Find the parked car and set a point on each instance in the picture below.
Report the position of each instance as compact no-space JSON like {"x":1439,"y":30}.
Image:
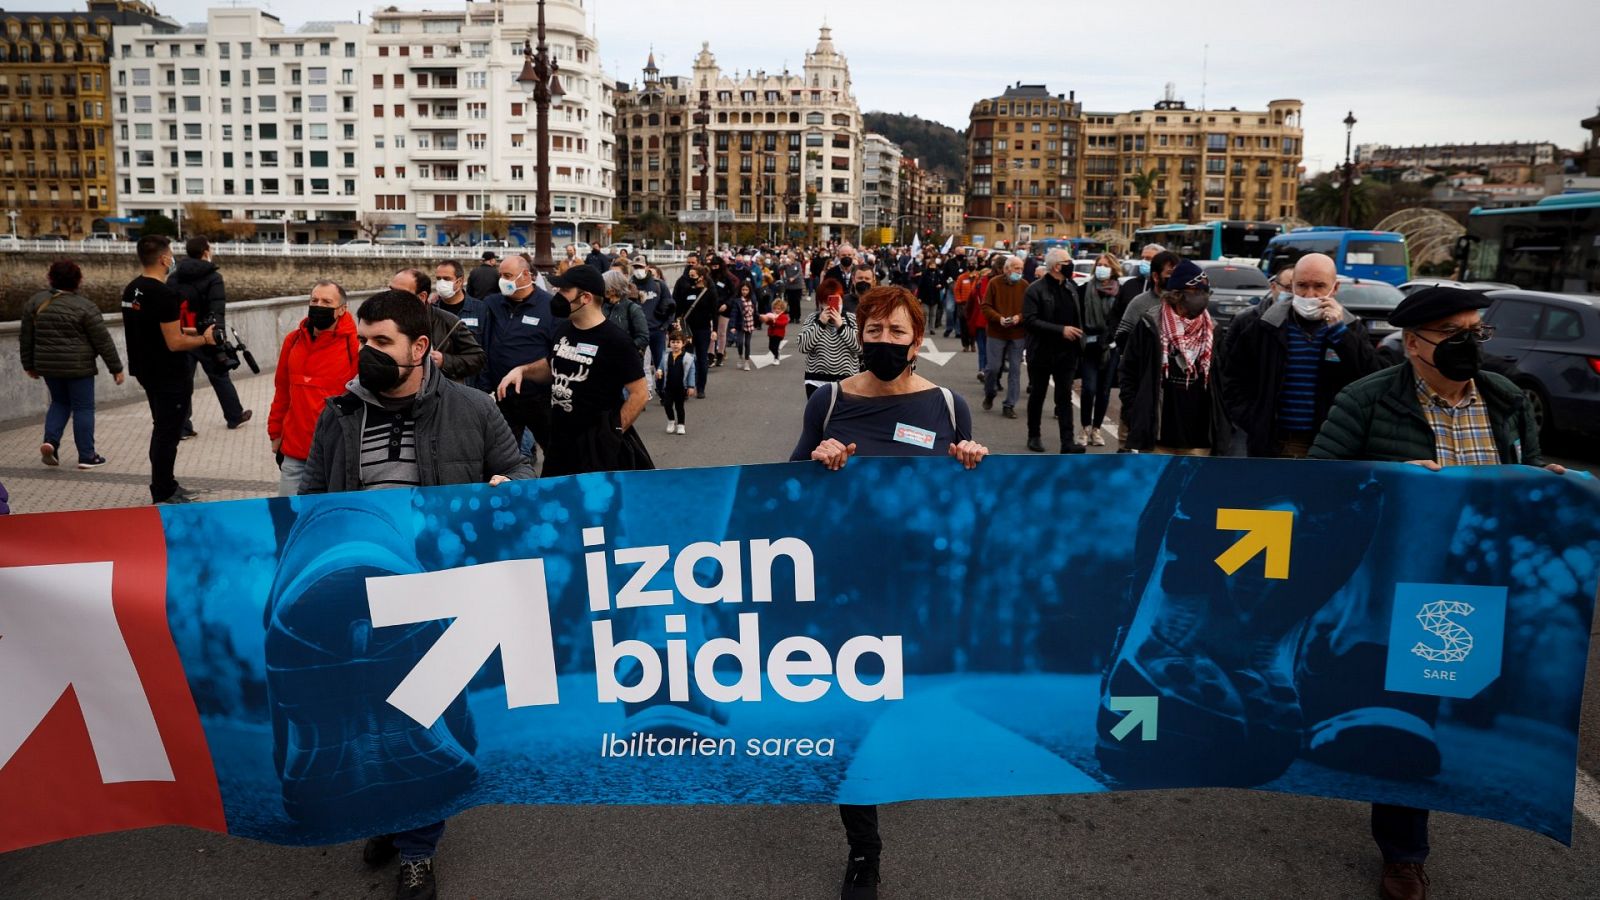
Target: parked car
{"x":103,"y":236}
{"x":58,"y":238}
{"x":1553,"y":342}
{"x":1411,"y":287}
{"x":1234,"y":289}
{"x":1371,"y":302}
{"x":622,"y":247}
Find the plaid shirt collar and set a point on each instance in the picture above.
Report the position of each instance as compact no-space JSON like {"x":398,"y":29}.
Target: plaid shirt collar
{"x":1462,"y":433}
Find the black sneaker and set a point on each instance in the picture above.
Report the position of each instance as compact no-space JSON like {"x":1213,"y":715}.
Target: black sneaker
{"x":860,"y":879}
{"x":1036,"y":444}
{"x":415,"y":881}
{"x":243,"y":418}
{"x":988,"y":403}
{"x":1009,"y":412}
{"x":188,"y":433}
{"x":379,"y":850}
{"x":93,"y":462}
{"x":47,"y":454}
{"x":1074,"y":448}
{"x":180,"y":496}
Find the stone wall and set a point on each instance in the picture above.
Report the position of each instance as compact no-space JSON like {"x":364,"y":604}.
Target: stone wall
{"x":246,"y":277}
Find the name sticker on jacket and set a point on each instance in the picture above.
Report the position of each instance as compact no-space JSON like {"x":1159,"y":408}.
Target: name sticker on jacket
{"x":916,"y":437}
{"x":530,"y":320}
{"x":1331,"y":356}
{"x":472,"y":322}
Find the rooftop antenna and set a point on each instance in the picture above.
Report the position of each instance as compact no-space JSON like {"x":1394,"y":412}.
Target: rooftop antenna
{"x":1205,"y":65}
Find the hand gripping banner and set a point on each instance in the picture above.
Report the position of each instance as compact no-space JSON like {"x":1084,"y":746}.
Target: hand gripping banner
{"x":318,"y":669}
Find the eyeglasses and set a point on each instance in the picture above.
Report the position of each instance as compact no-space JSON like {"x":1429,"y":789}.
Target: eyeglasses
{"x":1477,"y":334}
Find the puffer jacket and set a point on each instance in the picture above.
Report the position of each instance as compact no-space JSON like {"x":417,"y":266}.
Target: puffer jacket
{"x":62,"y":333}
{"x":1380,"y":418}
{"x":310,"y":370}
{"x":461,"y":438}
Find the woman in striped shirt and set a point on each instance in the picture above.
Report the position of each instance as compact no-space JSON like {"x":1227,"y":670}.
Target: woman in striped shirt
{"x":828,"y":339}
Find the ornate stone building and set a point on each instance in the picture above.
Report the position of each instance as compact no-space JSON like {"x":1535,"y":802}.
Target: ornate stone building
{"x":55,"y":116}
{"x":1022,"y":165}
{"x":777,"y":152}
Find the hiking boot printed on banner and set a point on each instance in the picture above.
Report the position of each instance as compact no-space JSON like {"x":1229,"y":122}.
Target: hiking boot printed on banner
{"x":1212,"y":654}
{"x":341,"y":751}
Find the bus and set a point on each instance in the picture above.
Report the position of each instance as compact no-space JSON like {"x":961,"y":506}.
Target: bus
{"x":1368,"y":255}
{"x":1078,"y":248}
{"x":1553,"y":245}
{"x":1210,"y":240}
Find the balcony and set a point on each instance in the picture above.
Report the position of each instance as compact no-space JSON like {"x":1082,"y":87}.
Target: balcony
{"x":439,"y":91}
{"x":440,"y":151}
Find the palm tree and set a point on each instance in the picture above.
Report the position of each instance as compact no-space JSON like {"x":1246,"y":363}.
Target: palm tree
{"x":1143,"y":184}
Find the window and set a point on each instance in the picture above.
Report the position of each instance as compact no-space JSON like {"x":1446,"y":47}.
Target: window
{"x":143,"y":131}
{"x":194,"y":185}
{"x":319,"y":159}
{"x":141,"y":104}
{"x":269,"y":132}
{"x":1560,"y":324}
{"x":477,"y":80}
{"x":192,"y":131}
{"x":191,"y":104}
{"x":377,"y":111}
{"x":193,"y":158}
{"x":317,"y":75}
{"x":1515,"y":321}
{"x":317,"y":103}
{"x":318,"y":131}
{"x":267,"y":103}
{"x":191,"y":77}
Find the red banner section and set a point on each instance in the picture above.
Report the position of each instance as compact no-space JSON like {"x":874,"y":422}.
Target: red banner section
{"x":98,"y":730}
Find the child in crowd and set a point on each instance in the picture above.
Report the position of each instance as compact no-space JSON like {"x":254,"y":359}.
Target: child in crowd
{"x":675,"y":382}
{"x":745,"y":324}
{"x":777,"y":326}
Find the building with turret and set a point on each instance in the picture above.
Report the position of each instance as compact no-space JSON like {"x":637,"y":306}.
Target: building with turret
{"x":776,"y":152}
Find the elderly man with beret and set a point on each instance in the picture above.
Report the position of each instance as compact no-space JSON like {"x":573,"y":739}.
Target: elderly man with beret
{"x":1437,"y":409}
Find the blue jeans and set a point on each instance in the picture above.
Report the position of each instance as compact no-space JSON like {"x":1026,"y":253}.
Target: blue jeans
{"x":981,"y":338}
{"x":999,"y":351}
{"x":949,"y":303}
{"x":658,"y":351}
{"x":71,"y":398}
{"x":419,"y":843}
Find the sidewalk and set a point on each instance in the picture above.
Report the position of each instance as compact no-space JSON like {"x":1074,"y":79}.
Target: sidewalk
{"x":227,"y":465}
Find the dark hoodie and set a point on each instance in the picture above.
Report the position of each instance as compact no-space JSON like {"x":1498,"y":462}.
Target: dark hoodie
{"x":198,"y":283}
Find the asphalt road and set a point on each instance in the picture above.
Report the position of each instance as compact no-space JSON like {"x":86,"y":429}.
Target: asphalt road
{"x":1169,"y":844}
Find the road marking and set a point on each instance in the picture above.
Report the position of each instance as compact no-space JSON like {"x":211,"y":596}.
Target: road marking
{"x":1586,"y":799}
{"x":764,"y":359}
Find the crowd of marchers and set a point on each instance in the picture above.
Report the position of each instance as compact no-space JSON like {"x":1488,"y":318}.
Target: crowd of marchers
{"x":454,"y":375}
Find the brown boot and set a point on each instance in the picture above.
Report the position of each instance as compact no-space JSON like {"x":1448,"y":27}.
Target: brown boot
{"x":1403,"y":881}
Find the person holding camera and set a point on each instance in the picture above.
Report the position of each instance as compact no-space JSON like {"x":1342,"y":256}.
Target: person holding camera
{"x":158,"y":358}
{"x":198,"y":284}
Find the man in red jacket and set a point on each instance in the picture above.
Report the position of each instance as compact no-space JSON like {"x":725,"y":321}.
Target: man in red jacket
{"x":317,"y":360}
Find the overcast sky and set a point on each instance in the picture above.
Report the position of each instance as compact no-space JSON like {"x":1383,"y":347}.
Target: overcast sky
{"x":1413,"y":72}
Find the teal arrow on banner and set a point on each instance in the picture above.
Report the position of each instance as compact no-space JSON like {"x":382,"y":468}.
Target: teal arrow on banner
{"x":1141,"y":711}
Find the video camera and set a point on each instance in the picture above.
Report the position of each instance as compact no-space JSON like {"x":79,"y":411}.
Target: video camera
{"x":226,"y":353}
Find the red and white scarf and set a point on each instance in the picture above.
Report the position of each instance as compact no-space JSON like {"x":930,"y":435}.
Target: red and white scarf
{"x":1192,"y":338}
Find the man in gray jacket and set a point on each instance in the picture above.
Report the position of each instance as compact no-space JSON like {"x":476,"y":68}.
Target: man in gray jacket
{"x":401,"y":423}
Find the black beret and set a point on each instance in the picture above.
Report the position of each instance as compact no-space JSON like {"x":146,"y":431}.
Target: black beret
{"x":1434,"y":303}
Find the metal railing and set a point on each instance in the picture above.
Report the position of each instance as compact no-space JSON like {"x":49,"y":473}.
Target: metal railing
{"x":222,"y":249}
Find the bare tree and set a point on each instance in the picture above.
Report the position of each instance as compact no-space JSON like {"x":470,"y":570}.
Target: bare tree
{"x":373,"y":224}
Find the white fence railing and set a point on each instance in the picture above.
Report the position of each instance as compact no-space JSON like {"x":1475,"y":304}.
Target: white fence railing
{"x":370,"y":251}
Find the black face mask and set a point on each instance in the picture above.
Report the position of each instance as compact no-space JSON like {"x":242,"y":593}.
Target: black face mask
{"x":1457,"y":360}
{"x":560,"y":306}
{"x":377,"y":371}
{"x":862,"y":287}
{"x":884,"y":360}
{"x":1192,"y":305}
{"x":320,"y":317}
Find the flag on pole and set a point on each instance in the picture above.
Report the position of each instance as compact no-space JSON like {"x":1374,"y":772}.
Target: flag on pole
{"x":948,"y":243}
{"x":916,"y":245}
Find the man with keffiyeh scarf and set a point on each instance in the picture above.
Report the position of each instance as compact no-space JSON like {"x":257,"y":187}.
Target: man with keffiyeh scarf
{"x":1172,"y":373}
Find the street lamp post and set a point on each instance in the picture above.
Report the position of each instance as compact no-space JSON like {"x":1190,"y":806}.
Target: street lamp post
{"x":12,"y":215}
{"x":702,"y":117}
{"x":539,"y":79}
{"x":1347,"y":173}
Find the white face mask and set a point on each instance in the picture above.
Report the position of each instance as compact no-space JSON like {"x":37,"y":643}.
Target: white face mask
{"x":508,"y":286}
{"x":1101,"y":273}
{"x":445,"y":288}
{"x":1308,"y":307}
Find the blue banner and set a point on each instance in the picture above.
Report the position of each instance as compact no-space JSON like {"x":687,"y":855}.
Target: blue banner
{"x":903,"y":629}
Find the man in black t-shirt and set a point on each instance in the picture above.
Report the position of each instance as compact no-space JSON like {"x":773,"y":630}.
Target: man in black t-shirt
{"x":591,"y":365}
{"x":157,"y":357}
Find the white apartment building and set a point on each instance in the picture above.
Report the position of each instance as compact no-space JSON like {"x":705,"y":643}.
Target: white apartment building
{"x":450,"y":133}
{"x":880,"y":179}
{"x":260,"y":123}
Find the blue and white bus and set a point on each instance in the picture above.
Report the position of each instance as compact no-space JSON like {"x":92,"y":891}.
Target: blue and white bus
{"x":1210,"y":240}
{"x":1553,"y":245}
{"x":1367,"y":255}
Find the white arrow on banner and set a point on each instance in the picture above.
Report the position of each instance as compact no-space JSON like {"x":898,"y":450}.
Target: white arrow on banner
{"x":500,"y":604}
{"x":58,"y":629}
{"x":933,"y":354}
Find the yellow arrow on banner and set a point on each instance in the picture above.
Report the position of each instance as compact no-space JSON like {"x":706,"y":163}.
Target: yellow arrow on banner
{"x":1268,"y":531}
